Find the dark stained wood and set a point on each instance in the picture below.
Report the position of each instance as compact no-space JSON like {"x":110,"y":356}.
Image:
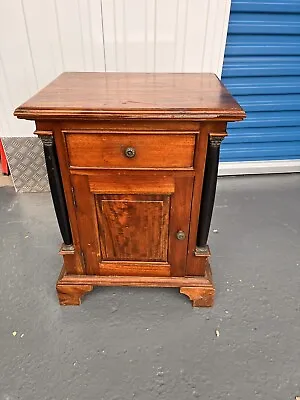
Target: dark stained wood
{"x":132,"y":95}
{"x":108,"y":150}
{"x":196,"y":265}
{"x":56,"y":186}
{"x":134,"y":221}
{"x":209,"y":187}
{"x":133,"y":227}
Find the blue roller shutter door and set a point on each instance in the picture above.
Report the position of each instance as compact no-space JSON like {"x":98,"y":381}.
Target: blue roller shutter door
{"x":262,"y":70}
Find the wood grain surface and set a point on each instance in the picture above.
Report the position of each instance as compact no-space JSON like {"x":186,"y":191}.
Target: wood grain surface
{"x":133,"y":227}
{"x":135,"y":268}
{"x":132,"y":95}
{"x":108,"y":150}
{"x":134,"y":221}
{"x":130,"y":182}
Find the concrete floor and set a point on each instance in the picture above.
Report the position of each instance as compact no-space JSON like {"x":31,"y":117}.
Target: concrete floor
{"x":143,"y":343}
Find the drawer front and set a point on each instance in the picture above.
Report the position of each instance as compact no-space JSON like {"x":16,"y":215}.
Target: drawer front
{"x":110,"y":150}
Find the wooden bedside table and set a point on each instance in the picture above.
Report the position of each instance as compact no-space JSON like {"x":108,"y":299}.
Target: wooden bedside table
{"x":132,"y":161}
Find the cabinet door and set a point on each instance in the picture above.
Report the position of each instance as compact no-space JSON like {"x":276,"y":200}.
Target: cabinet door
{"x":133,"y":227}
{"x":129,"y":222}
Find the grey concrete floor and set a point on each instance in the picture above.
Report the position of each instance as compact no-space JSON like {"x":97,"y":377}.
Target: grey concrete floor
{"x":143,"y":343}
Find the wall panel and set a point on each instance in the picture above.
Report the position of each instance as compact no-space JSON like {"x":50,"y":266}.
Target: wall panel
{"x":41,"y":39}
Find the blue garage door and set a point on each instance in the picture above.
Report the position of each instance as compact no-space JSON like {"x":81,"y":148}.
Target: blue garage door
{"x":262,"y":70}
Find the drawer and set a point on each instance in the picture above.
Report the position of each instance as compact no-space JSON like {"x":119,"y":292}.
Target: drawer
{"x":143,"y":150}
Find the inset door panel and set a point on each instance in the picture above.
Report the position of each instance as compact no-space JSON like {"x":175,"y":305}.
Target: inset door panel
{"x":134,"y":223}
{"x":133,"y":227}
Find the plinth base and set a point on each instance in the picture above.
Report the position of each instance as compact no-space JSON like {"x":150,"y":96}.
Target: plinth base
{"x":199,"y":289}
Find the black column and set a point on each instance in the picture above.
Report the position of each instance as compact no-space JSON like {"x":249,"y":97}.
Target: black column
{"x":209,"y":189}
{"x":56,"y":188}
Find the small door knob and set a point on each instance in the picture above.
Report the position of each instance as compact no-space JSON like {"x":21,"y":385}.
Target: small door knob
{"x":180,"y":235}
{"x":130,"y":152}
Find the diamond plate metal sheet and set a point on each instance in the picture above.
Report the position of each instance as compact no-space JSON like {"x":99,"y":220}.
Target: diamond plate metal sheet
{"x":26,"y":161}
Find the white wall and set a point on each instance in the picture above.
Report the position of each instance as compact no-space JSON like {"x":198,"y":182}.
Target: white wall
{"x":39,"y":39}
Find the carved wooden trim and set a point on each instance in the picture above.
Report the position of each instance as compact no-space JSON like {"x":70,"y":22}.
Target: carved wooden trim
{"x":199,"y":296}
{"x":71,"y":295}
{"x":46,"y":140}
{"x":41,"y":113}
{"x":215,"y":139}
{"x":149,"y":281}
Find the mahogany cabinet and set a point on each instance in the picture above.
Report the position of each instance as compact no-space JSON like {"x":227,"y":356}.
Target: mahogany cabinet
{"x":132,"y":161}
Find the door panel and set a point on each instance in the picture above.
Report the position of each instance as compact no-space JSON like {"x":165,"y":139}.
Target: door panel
{"x":132,"y":231}
{"x":133,"y":227}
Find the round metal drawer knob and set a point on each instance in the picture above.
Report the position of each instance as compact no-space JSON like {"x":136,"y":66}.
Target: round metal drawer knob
{"x":130,"y":152}
{"x":180,"y":235}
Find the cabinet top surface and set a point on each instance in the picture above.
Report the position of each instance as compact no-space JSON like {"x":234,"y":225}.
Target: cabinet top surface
{"x":132,"y":95}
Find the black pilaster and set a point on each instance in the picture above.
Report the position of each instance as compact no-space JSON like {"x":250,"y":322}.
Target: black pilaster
{"x":209,"y":189}
{"x":56,"y":188}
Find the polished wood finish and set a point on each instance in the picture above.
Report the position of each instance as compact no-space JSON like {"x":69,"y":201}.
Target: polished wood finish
{"x":167,"y":192}
{"x":138,"y":157}
{"x":132,"y":268}
{"x":200,"y":290}
{"x":149,"y":281}
{"x":108,"y":182}
{"x":133,"y":227}
{"x":142,"y":126}
{"x":180,"y":221}
{"x":85,"y":209}
{"x":71,"y":295}
{"x":200,"y":297}
{"x":108,"y":150}
{"x":132,"y":95}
